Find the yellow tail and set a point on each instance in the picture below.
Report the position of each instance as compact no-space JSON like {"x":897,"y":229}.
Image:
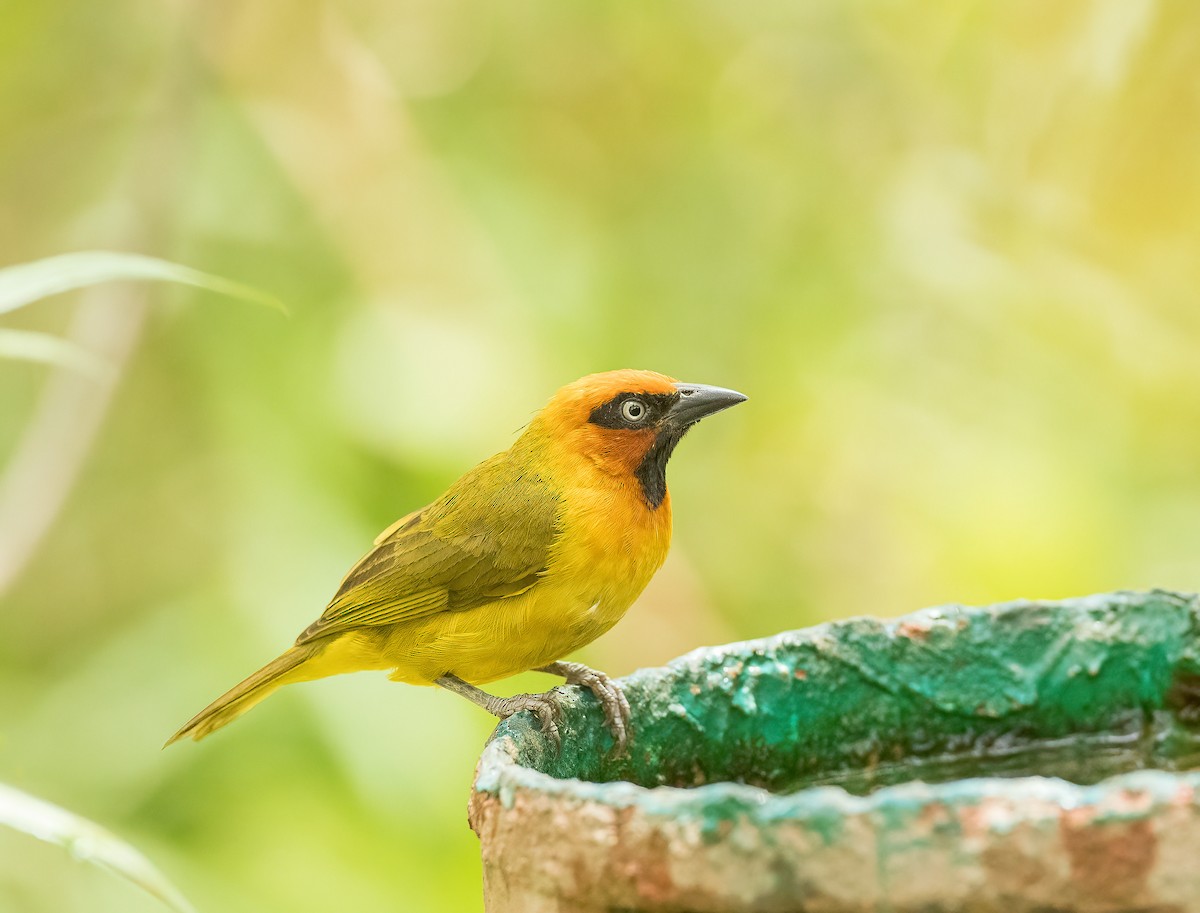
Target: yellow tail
{"x":240,"y":698}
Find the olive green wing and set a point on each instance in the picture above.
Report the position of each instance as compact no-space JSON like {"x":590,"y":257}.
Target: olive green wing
{"x":487,"y":538}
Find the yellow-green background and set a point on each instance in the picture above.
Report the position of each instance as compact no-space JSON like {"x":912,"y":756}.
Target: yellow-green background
{"x":949,"y":250}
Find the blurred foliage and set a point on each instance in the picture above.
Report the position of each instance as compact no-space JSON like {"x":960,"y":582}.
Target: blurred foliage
{"x":948,"y":249}
{"x":26,"y":283}
{"x":88,"y":842}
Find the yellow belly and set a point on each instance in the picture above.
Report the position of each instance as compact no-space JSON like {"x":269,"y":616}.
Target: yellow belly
{"x":496,"y":640}
{"x":591,"y":581}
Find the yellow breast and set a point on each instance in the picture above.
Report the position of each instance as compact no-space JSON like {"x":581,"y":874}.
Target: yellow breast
{"x":610,"y":546}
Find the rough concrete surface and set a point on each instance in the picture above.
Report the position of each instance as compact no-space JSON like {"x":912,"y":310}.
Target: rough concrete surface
{"x":787,"y":774}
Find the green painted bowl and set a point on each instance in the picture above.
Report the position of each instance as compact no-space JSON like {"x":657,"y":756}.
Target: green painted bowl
{"x":1019,"y":757}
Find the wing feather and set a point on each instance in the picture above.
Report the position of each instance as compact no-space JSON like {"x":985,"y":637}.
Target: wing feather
{"x":488,"y":538}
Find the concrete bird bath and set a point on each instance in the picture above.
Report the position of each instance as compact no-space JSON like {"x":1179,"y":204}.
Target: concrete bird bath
{"x":1019,"y":757}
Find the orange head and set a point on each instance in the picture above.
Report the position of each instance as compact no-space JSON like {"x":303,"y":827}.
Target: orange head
{"x":627,"y":422}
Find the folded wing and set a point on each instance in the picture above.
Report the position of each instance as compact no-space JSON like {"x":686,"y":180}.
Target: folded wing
{"x":489,"y":537}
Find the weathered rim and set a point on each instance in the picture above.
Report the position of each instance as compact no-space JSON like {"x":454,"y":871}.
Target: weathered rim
{"x":523,"y":814}
{"x":499,"y":775}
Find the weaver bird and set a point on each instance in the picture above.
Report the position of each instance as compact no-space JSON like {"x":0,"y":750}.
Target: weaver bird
{"x":526,"y":558}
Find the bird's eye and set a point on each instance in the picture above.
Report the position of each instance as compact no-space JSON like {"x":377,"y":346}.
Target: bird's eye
{"x":633,"y":410}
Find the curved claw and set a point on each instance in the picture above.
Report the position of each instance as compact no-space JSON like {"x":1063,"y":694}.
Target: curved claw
{"x":544,"y":706}
{"x":617,"y":713}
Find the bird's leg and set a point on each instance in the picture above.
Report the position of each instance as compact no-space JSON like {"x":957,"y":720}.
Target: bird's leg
{"x":544,"y":706}
{"x":617,"y":714}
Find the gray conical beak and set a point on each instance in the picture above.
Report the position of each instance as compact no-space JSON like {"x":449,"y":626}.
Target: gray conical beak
{"x":699,"y":400}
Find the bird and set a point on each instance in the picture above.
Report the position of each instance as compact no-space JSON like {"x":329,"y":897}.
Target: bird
{"x":529,"y":556}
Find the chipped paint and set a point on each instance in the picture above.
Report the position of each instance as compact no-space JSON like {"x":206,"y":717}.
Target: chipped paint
{"x":810,"y":747}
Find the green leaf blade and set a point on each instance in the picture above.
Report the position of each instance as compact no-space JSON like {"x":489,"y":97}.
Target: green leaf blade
{"x":88,"y":842}
{"x":28,"y":282}
{"x":29,"y":345}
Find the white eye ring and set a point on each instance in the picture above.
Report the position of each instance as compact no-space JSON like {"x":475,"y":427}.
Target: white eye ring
{"x":633,"y":410}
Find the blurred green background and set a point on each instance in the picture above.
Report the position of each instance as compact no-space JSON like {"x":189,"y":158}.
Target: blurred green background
{"x":950,"y":250}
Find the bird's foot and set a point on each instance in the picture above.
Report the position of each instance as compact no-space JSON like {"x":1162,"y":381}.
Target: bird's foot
{"x":544,"y":706}
{"x":617,"y":715}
